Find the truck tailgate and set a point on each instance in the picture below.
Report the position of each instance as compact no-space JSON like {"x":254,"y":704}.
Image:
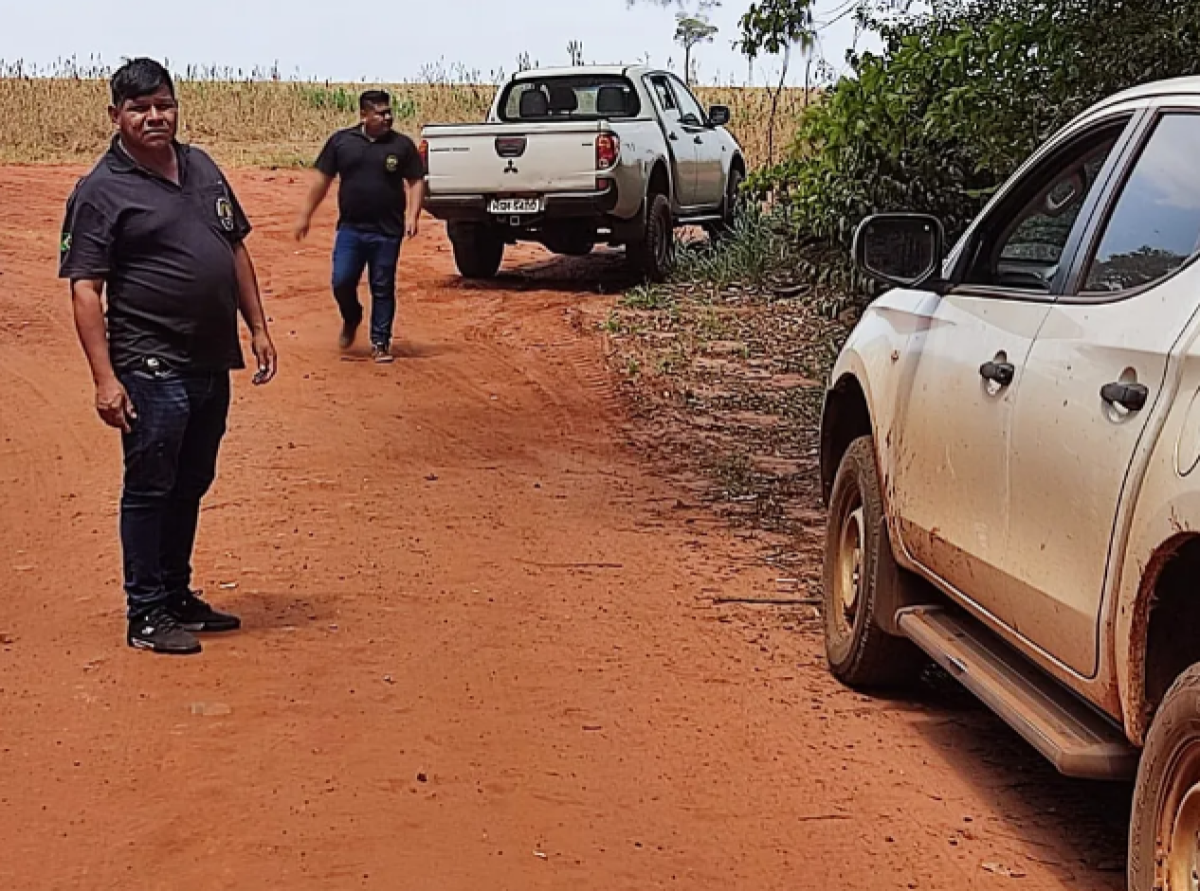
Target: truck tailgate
{"x":506,"y":159}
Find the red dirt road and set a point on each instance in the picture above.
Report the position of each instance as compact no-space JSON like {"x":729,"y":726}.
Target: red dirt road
{"x":480,"y":649}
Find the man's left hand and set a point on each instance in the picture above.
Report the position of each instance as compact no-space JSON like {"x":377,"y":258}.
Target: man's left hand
{"x":268,"y":361}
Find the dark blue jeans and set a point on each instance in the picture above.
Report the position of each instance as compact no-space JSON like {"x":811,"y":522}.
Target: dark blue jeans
{"x":170,"y":463}
{"x":353,"y":251}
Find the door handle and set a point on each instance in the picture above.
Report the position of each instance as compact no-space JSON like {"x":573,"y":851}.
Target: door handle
{"x":1001,"y":373}
{"x":698,"y":141}
{"x":1130,"y":396}
{"x":674,"y":137}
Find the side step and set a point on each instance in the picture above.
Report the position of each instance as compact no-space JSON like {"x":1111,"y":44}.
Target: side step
{"x":1076,"y":739}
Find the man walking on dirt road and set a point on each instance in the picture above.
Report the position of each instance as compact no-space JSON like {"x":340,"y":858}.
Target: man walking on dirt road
{"x":157,"y":226}
{"x":379,"y":205}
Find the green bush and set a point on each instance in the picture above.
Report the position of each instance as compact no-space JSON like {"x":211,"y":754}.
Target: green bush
{"x":751,"y":252}
{"x":959,"y":98}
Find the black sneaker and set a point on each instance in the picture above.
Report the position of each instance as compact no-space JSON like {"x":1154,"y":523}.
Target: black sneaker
{"x":198,"y":617}
{"x":160,"y":632}
{"x":349,"y":334}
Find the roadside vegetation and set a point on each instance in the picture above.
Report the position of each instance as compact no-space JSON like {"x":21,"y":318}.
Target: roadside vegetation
{"x":728,"y":359}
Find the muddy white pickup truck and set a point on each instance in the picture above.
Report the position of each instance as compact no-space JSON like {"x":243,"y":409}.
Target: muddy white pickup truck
{"x":1010,"y":450}
{"x":575,"y":157}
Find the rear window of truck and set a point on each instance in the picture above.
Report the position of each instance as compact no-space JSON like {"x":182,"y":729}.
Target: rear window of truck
{"x":590,"y":98}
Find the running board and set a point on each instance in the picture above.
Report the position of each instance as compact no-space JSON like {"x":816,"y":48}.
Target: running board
{"x":1076,"y":739}
{"x":698,"y":220}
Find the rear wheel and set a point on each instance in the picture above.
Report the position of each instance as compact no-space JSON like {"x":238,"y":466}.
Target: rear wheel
{"x":478,"y":250}
{"x":859,"y":573}
{"x":1164,"y":835}
{"x":654,"y":254}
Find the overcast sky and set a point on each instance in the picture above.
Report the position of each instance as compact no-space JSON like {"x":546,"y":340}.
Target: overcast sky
{"x":388,"y":41}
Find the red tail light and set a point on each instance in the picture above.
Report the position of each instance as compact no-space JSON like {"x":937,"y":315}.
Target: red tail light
{"x":424,"y":150}
{"x":608,"y":149}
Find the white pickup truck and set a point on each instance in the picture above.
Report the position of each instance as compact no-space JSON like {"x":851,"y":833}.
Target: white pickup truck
{"x":575,"y":157}
{"x":1010,"y":449}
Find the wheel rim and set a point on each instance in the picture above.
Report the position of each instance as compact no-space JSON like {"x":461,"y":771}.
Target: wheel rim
{"x":1179,"y":825}
{"x":849,"y":576}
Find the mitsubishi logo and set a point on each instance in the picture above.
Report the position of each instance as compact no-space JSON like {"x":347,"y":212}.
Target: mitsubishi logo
{"x":511,"y":168}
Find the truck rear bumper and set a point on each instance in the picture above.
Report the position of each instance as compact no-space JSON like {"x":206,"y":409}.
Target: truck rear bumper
{"x":474,"y":208}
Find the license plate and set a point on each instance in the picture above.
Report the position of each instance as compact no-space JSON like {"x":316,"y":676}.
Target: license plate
{"x":515,"y":205}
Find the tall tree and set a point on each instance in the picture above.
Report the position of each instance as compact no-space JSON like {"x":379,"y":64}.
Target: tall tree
{"x":776,"y":27}
{"x":690,"y":31}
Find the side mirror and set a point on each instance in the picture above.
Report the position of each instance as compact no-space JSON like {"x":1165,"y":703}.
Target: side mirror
{"x":719,"y":115}
{"x":904,"y":250}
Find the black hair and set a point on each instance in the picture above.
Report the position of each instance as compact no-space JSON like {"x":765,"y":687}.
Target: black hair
{"x":373,"y":97}
{"x":137,"y":78}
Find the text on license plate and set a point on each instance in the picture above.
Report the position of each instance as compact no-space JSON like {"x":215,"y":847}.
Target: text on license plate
{"x":515,"y":205}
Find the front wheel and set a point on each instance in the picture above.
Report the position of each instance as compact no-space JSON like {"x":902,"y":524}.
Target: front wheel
{"x":859,"y":573}
{"x":1164,"y":835}
{"x":478,"y":250}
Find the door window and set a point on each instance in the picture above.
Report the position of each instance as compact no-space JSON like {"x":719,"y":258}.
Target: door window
{"x":1021,"y":244}
{"x":1154,"y":229}
{"x":690,"y":111}
{"x":666,"y":99}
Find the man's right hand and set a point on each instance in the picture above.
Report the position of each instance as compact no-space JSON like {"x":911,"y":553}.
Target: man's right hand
{"x":300,"y":230}
{"x":114,"y":405}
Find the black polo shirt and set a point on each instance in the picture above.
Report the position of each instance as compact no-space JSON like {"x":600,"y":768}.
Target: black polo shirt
{"x":166,"y":254}
{"x":371,"y":195}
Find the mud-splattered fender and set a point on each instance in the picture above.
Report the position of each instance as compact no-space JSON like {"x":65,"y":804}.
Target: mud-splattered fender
{"x":875,"y":356}
{"x":1166,"y":516}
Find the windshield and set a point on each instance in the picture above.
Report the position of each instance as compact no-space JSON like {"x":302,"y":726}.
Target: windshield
{"x":577,"y":98}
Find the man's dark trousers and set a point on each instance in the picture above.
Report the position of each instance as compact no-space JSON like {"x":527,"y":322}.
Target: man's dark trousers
{"x":353,"y":251}
{"x":170,"y":463}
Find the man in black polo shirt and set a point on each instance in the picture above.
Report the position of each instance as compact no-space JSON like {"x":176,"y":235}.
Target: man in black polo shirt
{"x":157,"y":226}
{"x":379,"y":204}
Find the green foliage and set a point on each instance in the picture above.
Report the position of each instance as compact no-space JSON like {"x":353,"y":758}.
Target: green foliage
{"x":691,"y":31}
{"x":341,"y":99}
{"x":753,"y":252}
{"x":648,"y":297}
{"x":329,"y":98}
{"x":960,"y":97}
{"x":404,"y":108}
{"x":775,"y":26}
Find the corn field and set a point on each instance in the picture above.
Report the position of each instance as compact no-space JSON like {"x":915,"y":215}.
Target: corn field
{"x":58,"y":114}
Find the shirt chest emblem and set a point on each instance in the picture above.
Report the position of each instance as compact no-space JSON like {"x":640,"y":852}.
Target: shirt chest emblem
{"x":392,"y":164}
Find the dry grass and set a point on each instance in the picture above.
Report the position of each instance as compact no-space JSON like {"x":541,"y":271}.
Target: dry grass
{"x":254,"y":119}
